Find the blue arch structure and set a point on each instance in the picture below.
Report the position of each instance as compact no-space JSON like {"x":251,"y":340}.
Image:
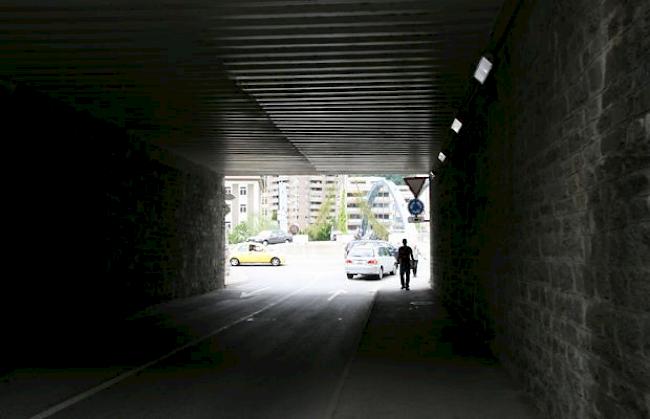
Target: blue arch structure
{"x":401,"y":217}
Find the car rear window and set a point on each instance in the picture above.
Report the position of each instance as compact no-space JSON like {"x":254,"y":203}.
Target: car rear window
{"x":361,"y":252}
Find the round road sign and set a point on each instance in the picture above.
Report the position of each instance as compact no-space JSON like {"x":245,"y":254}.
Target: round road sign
{"x":416,"y":207}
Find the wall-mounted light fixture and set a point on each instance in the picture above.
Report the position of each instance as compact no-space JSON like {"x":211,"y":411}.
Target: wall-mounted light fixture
{"x":456,"y":125}
{"x":431,"y":174}
{"x":442,"y":157}
{"x":482,"y":70}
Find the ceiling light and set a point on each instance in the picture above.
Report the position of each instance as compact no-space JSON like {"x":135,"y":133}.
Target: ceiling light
{"x":441,"y":157}
{"x":482,"y":70}
{"x":456,"y":125}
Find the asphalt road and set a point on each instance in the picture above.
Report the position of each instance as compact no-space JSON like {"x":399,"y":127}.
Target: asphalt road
{"x":294,"y":341}
{"x":275,"y":343}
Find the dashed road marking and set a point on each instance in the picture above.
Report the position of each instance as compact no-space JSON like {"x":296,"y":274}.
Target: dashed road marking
{"x":106,"y":384}
{"x":245,"y":294}
{"x":336,"y":294}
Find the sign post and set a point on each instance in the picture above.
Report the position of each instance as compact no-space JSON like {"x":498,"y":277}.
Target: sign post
{"x":415,"y":206}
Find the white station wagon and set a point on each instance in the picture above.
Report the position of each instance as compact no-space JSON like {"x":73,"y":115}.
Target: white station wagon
{"x":369,"y":260}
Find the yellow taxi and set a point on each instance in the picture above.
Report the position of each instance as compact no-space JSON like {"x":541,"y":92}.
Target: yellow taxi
{"x":254,"y":253}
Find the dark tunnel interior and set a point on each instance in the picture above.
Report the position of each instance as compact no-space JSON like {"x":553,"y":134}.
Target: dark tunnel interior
{"x":117,"y":140}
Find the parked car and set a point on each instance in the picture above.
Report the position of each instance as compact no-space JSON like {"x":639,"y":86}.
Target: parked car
{"x":370,"y":260}
{"x":272,"y":237}
{"x":255,"y":253}
{"x":355,"y":243}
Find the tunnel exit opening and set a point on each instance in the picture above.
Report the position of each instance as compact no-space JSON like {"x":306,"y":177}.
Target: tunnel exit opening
{"x":277,"y":223}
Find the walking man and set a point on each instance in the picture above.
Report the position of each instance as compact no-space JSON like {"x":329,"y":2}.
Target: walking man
{"x":404,"y":258}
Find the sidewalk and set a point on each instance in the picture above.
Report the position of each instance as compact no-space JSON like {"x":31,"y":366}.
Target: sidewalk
{"x":408,"y":367}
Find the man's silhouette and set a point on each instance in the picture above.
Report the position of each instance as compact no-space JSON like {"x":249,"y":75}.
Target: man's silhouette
{"x":404,"y":258}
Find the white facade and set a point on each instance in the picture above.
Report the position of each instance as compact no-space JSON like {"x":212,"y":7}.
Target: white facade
{"x":247,"y":203}
{"x":357,"y":187}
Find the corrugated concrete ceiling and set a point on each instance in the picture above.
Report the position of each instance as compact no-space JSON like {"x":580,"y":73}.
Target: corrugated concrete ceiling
{"x":292,"y":86}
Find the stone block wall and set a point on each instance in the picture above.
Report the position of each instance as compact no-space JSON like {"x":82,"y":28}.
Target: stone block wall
{"x":542,"y":225}
{"x":102,"y":224}
{"x":164,"y":232}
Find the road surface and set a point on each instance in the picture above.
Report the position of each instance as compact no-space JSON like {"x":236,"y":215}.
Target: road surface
{"x":274,"y":343}
{"x":295,"y":341}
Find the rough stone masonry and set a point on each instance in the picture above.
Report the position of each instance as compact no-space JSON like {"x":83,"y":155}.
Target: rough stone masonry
{"x":115,"y":223}
{"x":543,"y":221}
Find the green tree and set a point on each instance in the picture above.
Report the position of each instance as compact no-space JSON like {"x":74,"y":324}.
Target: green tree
{"x":342,"y":221}
{"x":378,"y":228}
{"x":262,"y":223}
{"x":397,"y":179}
{"x":321,"y":229}
{"x":253,"y":225}
{"x":240,"y":233}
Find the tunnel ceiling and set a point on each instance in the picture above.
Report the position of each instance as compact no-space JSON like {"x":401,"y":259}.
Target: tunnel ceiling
{"x":254,"y":87}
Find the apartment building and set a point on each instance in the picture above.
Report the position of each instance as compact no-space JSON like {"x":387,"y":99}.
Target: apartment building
{"x":319,"y":188}
{"x":383,"y":205}
{"x":304,"y":197}
{"x":247,"y":202}
{"x":306,"y":194}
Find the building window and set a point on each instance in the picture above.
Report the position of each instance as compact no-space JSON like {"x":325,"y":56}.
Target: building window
{"x":242,"y":190}
{"x":228,"y":190}
{"x":242,"y":208}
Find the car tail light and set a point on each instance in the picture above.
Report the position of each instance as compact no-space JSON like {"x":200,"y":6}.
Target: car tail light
{"x":372,"y":262}
{"x":348,"y":261}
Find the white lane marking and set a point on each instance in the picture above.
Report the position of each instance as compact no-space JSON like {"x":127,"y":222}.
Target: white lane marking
{"x":245,"y":294}
{"x":336,"y":294}
{"x":103,"y":386}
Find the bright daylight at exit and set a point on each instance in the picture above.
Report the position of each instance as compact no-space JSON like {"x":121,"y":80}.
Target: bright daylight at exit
{"x":350,"y":224}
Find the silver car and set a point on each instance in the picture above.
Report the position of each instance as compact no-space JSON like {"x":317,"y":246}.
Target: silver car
{"x":369,"y":260}
{"x":368,"y":242}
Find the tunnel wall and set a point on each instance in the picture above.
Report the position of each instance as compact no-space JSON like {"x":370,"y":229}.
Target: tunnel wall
{"x":103,"y":224}
{"x":542,"y":222}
